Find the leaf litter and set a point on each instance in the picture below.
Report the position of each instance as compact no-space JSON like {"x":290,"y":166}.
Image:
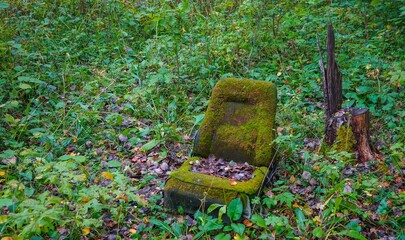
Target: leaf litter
{"x":219,"y":167}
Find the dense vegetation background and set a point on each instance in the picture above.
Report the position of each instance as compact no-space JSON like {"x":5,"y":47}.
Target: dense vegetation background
{"x":100,"y":99}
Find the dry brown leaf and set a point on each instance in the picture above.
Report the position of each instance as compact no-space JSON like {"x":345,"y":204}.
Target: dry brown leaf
{"x":292,"y":179}
{"x":247,"y":223}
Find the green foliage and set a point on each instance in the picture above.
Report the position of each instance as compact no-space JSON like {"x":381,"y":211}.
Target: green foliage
{"x":79,"y":76}
{"x":235,"y":209}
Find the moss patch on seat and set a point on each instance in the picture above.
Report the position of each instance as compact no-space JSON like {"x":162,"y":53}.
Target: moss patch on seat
{"x":239,"y":122}
{"x":187,"y":189}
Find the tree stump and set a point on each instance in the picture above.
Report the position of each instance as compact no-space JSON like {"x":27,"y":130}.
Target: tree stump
{"x":358,"y":118}
{"x":360,"y":122}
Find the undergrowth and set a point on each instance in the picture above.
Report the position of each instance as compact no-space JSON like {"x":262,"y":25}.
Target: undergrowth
{"x":88,"y":85}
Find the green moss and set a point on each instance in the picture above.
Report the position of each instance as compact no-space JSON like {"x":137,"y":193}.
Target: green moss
{"x":345,"y":140}
{"x":239,"y":122}
{"x":217,"y":189}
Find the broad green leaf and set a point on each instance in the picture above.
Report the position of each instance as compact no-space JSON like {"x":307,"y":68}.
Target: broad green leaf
{"x":198,"y":118}
{"x":65,"y":157}
{"x":353,"y":234}
{"x":148,"y":146}
{"x":239,"y":228}
{"x":212,"y":225}
{"x":4,"y":5}
{"x":363,"y":89}
{"x":79,"y":159}
{"x":317,"y":232}
{"x":6,"y":202}
{"x":162,"y":225}
{"x":29,"y":191}
{"x":214,"y":206}
{"x":114,"y":164}
{"x":176,"y":229}
{"x":9,"y":118}
{"x":258,"y":220}
{"x":221,"y":212}
{"x":223,"y":236}
{"x":7,"y":154}
{"x":24,"y":86}
{"x":300,"y":218}
{"x":235,"y":209}
{"x":382,"y":208}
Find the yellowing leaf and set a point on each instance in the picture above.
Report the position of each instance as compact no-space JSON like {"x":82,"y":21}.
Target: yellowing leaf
{"x":133,"y":231}
{"x":307,"y":210}
{"x":2,"y":173}
{"x":317,"y":220}
{"x":3,"y":219}
{"x":107,"y":175}
{"x":125,"y":198}
{"x":86,"y":231}
{"x":295,"y":205}
{"x":316,"y":168}
{"x":85,"y":199}
{"x":292,"y":179}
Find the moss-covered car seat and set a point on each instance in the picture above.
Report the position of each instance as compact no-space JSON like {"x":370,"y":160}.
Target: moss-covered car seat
{"x":238,"y":126}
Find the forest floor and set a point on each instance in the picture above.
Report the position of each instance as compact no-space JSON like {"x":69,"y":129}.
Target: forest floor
{"x":100,"y":100}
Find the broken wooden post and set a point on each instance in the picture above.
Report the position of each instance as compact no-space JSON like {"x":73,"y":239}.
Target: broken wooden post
{"x":358,"y":118}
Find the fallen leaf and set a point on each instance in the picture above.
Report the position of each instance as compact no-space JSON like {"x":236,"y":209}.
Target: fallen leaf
{"x":107,"y":175}
{"x":307,"y":210}
{"x":122,"y":138}
{"x":348,"y":189}
{"x":339,"y":214}
{"x":316,"y":168}
{"x":86,"y":231}
{"x":85,"y":199}
{"x":292,"y":179}
{"x":247,"y":223}
{"x":133,"y":231}
{"x":306,"y":175}
{"x":233,"y":182}
{"x":295,"y":205}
